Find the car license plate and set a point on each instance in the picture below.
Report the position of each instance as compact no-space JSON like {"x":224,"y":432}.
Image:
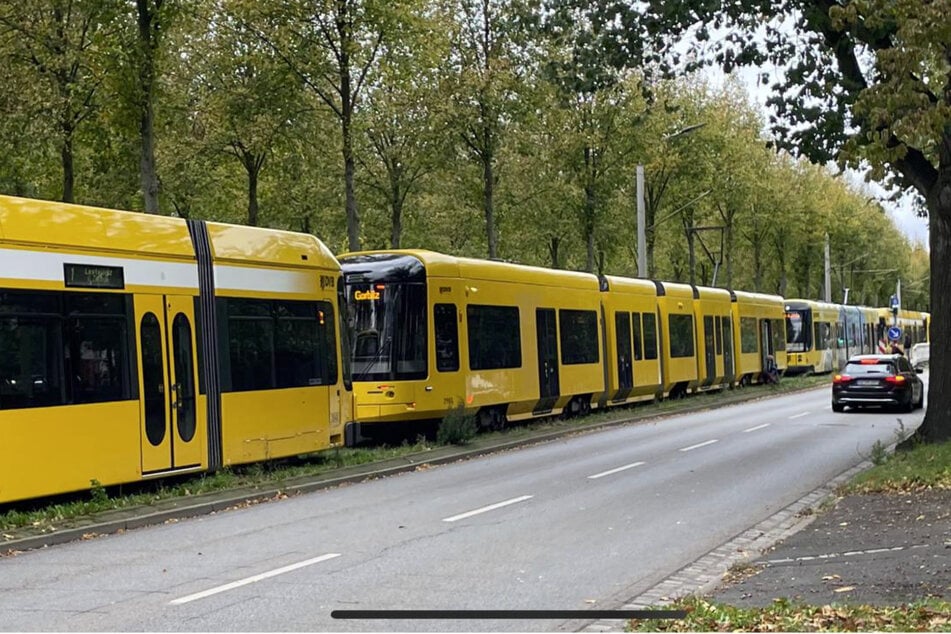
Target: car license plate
{"x":867,"y":383}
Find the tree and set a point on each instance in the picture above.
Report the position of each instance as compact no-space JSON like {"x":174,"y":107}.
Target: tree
{"x":153,"y":18}
{"x":583,"y":64}
{"x":58,"y":40}
{"x":403,"y":127}
{"x":250,"y":98}
{"x":332,"y":46}
{"x":865,"y":80}
{"x":489,"y":65}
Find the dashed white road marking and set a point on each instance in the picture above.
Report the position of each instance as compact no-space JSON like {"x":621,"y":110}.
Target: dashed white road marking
{"x":698,"y":445}
{"x":485,"y":509}
{"x":617,"y":470}
{"x":799,"y":415}
{"x":253,"y":579}
{"x":851,"y":553}
{"x":745,"y":431}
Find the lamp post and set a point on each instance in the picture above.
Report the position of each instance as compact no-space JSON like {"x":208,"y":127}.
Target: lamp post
{"x":641,"y":210}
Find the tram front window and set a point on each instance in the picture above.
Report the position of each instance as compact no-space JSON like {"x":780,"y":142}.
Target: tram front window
{"x":798,"y":331}
{"x":388,"y":331}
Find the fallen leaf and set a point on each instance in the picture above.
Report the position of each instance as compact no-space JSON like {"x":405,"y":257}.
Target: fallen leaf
{"x":831,"y":577}
{"x":845,"y":589}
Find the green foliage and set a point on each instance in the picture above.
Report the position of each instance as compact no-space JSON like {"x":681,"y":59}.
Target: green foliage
{"x":458,"y":427}
{"x":98,"y":493}
{"x":879,"y":453}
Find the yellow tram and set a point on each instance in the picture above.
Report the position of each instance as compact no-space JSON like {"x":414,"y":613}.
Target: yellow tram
{"x":431,"y":331}
{"x":761,"y":331}
{"x":135,"y":346}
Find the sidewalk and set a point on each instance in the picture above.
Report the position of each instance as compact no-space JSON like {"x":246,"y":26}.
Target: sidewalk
{"x":877,"y":549}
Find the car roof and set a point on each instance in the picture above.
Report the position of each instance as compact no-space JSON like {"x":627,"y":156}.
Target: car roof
{"x":883,"y":358}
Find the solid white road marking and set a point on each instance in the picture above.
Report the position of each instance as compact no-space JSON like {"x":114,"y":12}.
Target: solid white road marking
{"x":484,"y":509}
{"x":613,"y":471}
{"x":799,"y":415}
{"x":697,"y":446}
{"x":252,"y":579}
{"x":755,"y":428}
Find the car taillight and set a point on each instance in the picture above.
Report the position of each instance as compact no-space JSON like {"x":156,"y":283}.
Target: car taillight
{"x":895,"y":380}
{"x":839,"y":379}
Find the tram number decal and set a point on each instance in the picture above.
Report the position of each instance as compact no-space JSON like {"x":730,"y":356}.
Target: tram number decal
{"x":327,"y":281}
{"x":93,"y":276}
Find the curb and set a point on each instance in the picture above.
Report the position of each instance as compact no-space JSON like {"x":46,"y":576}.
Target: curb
{"x":706,"y":573}
{"x":117,"y":521}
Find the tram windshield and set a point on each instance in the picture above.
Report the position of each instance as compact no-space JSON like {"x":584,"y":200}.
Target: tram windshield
{"x":386,"y":297}
{"x":798,"y":330}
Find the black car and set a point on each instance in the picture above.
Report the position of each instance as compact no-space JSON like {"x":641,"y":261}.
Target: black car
{"x":877,"y":379}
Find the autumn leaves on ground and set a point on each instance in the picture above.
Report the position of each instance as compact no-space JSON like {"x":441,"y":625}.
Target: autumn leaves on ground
{"x":922,"y":472}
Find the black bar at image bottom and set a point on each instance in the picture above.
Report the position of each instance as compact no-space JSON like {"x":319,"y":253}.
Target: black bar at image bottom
{"x":508,"y":614}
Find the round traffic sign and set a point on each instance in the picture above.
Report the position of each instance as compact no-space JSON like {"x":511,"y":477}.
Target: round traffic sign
{"x":894,"y":333}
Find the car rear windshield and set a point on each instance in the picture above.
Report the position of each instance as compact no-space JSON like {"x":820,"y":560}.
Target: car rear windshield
{"x":858,"y":369}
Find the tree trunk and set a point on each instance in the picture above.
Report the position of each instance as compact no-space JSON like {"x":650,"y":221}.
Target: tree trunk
{"x":936,"y":426}
{"x":66,"y":154}
{"x":253,"y":172}
{"x":488,"y":193}
{"x":147,"y":173}
{"x":553,"y":251}
{"x":691,"y":254}
{"x":589,"y":205}
{"x":349,"y":167}
{"x":396,"y":215}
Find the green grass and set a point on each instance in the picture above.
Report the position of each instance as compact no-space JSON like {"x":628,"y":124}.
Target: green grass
{"x":53,"y":516}
{"x":273,"y":474}
{"x":783,"y":616}
{"x":924,"y":466}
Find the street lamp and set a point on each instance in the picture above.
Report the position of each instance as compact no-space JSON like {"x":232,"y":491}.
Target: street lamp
{"x":642,"y":212}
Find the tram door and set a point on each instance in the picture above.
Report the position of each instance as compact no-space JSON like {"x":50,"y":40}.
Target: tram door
{"x":625,"y":369}
{"x":169,"y":425}
{"x":547,"y":338}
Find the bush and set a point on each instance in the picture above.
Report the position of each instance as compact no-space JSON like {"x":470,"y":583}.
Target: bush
{"x":458,"y":427}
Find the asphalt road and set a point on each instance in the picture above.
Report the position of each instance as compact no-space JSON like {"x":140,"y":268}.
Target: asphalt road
{"x":583,"y":523}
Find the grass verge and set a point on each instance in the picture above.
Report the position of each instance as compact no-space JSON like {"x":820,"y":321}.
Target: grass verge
{"x":923,"y":467}
{"x":783,"y":616}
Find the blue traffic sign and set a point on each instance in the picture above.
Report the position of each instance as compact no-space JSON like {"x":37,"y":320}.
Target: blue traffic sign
{"x":893,"y":301}
{"x":894,"y":333}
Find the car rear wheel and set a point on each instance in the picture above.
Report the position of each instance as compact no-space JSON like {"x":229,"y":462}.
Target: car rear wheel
{"x":921,"y":400}
{"x":910,"y":405}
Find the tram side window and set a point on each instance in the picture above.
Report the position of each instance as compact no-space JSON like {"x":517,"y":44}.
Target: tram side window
{"x":304,"y":353}
{"x":494,"y":339}
{"x":718,"y":330}
{"x":30,"y":362}
{"x":748,"y":339}
{"x":447,"y":337}
{"x":681,"y":335}
{"x":63,"y":348}
{"x":96,"y":347}
{"x":280,"y":344}
{"x":636,"y":329}
{"x":251,"y":344}
{"x":778,"y":329}
{"x":650,"y":336}
{"x":579,"y":336}
{"x":823,"y":332}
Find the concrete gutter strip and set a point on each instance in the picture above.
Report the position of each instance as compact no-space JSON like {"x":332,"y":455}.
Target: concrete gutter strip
{"x":120,"y":520}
